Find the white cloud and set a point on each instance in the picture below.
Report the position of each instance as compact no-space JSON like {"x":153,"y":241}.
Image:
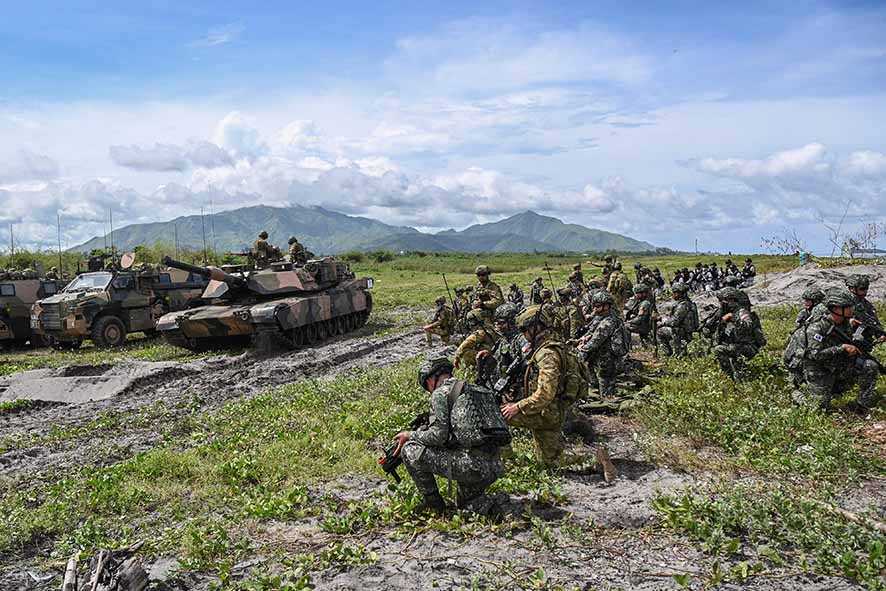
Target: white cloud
{"x":25,"y":165}
{"x":236,"y":134}
{"x":219,"y":36}
{"x":864,"y":164}
{"x":161,"y":157}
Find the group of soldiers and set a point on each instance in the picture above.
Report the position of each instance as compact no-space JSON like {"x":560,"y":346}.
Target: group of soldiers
{"x":264,"y":253}
{"x":710,"y":277}
{"x":13,"y":274}
{"x":538,"y":358}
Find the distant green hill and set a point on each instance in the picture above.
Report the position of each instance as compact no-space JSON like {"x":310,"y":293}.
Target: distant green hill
{"x":329,"y":232}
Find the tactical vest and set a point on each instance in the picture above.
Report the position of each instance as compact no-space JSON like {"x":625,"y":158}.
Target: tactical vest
{"x":475,"y":417}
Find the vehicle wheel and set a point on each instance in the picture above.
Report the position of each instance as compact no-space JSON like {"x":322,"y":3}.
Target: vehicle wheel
{"x":108,"y":331}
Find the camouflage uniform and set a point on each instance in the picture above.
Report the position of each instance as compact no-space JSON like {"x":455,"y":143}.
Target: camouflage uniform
{"x":487,"y":294}
{"x":575,"y":285}
{"x":675,"y":331}
{"x":829,"y":370}
{"x":429,"y":453}
{"x":261,"y":251}
{"x":638,"y":313}
{"x":865,"y":313}
{"x":297,"y":252}
{"x":480,"y":339}
{"x":52,"y":274}
{"x":740,"y":338}
{"x":619,"y":286}
{"x":599,"y":346}
{"x":508,"y":348}
{"x":443,"y":323}
{"x":795,"y":350}
{"x":515,"y":296}
{"x":535,"y":291}
{"x":569,"y":319}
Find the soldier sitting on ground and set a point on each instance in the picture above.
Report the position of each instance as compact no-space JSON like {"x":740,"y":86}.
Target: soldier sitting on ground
{"x":675,"y":330}
{"x":443,"y":323}
{"x":835,"y":360}
{"x":452,"y":445}
{"x":535,"y":291}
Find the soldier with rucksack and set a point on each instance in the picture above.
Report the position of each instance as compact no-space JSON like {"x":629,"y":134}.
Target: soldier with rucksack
{"x":605,"y":344}
{"x":738,"y":334}
{"x":795,"y":350}
{"x":620,"y":287}
{"x":675,"y":330}
{"x":461,"y":441}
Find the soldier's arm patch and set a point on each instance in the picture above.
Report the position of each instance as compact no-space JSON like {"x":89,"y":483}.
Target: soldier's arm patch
{"x":818,"y":338}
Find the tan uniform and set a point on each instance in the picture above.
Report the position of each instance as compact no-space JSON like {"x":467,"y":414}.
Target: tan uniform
{"x":496,"y":298}
{"x":297,"y":253}
{"x":466,"y":354}
{"x":620,"y":287}
{"x":262,"y":252}
{"x":443,"y":324}
{"x":541,"y":411}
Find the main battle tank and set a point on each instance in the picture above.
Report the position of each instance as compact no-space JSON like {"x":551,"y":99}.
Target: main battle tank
{"x":283,"y":305}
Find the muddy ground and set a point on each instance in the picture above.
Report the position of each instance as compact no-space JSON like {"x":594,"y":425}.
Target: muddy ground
{"x":602,"y":538}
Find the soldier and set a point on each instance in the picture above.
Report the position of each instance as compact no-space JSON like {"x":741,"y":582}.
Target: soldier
{"x":604,"y":345}
{"x":579,"y":276}
{"x":659,"y":280}
{"x":261,"y":251}
{"x":865,"y":315}
{"x":638,"y":272}
{"x":619,"y":287}
{"x":542,"y":411}
{"x":52,"y":274}
{"x":748,"y":272}
{"x":738,"y":335}
{"x":570,"y":319}
{"x":675,"y":331}
{"x":639,"y":313}
{"x":535,"y":291}
{"x":575,"y":284}
{"x":507,"y":349}
{"x":488,"y":294}
{"x":796,"y":347}
{"x":297,"y":253}
{"x":515,"y":296}
{"x":834,"y":361}
{"x":434,"y":450}
{"x":443,"y":323}
{"x":480,"y":338}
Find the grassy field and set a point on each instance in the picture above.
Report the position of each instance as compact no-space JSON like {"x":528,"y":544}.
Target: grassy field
{"x":216,"y":489}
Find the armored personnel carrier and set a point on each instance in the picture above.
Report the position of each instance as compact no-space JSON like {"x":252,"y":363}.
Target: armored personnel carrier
{"x":16,"y":298}
{"x":106,"y":305}
{"x":283,"y":305}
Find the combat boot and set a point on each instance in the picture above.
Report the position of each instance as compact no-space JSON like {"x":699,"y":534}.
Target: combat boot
{"x":432,"y":503}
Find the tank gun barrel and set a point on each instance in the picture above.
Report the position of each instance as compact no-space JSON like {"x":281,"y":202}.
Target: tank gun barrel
{"x":209,"y":272}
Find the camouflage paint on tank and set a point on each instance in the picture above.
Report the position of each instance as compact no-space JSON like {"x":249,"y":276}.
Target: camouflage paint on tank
{"x":282,"y":299}
{"x":17,"y":296}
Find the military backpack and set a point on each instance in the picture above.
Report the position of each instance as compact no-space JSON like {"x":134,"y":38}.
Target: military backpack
{"x":574,"y":375}
{"x":476,"y":418}
{"x":693,"y":323}
{"x":620,"y":341}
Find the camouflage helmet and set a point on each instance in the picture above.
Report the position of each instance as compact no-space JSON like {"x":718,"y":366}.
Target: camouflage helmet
{"x":813,"y":294}
{"x":293,"y":240}
{"x":440,"y":300}
{"x":506,"y":313}
{"x":53,"y":269}
{"x":431,"y":367}
{"x":748,"y":260}
{"x":680,"y":287}
{"x":641,"y":288}
{"x":481,"y":270}
{"x":546,"y":293}
{"x":533,"y":315}
{"x":728,"y":294}
{"x":858,"y":282}
{"x":839,"y":298}
{"x":602,"y":297}
{"x":732,"y":281}
{"x":474,"y":319}
{"x":617,"y":266}
{"x":263,"y":235}
{"x":564,"y":292}
{"x":638,"y":265}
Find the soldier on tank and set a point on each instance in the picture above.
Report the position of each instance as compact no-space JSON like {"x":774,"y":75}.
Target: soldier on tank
{"x":443,"y":323}
{"x":835,"y":359}
{"x":675,"y":330}
{"x":480,"y":338}
{"x":605,"y":344}
{"x":738,"y":335}
{"x":52,"y":274}
{"x":535,"y":291}
{"x":261,"y":251}
{"x":639,"y":313}
{"x":515,"y":296}
{"x":438,"y":449}
{"x":297,"y":253}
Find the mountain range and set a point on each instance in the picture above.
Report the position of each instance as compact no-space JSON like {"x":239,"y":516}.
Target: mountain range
{"x":329,"y":232}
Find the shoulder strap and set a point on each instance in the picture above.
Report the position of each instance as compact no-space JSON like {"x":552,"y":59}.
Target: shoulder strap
{"x":455,"y":392}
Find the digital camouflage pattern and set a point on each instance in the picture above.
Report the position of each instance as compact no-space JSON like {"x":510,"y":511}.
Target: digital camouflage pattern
{"x":736,"y":341}
{"x":638,"y":316}
{"x":293,"y":306}
{"x":603,"y":350}
{"x":675,"y":331}
{"x":433,"y":450}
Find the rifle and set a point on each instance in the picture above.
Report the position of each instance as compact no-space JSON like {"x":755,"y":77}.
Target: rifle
{"x":390,"y":462}
{"x":554,"y":296}
{"x":451,"y":301}
{"x":862,"y":353}
{"x":511,"y":373}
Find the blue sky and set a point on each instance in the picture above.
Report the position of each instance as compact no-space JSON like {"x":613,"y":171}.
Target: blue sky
{"x":722,"y":121}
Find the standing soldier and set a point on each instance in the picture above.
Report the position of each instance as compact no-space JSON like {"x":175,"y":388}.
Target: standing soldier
{"x":619,"y":287}
{"x":605,"y":344}
{"x":438,"y":449}
{"x":739,"y":334}
{"x":297,"y":253}
{"x":579,"y":276}
{"x":480,"y":338}
{"x":576,"y":285}
{"x":748,"y":272}
{"x":834,"y":362}
{"x":261,"y":251}
{"x":675,"y":331}
{"x":638,"y":313}
{"x":487,"y":296}
{"x":515,"y":296}
{"x":569,"y":318}
{"x":535,"y":291}
{"x":443,"y":323}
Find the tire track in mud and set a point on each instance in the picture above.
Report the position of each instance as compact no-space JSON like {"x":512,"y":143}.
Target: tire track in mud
{"x":45,"y":438}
